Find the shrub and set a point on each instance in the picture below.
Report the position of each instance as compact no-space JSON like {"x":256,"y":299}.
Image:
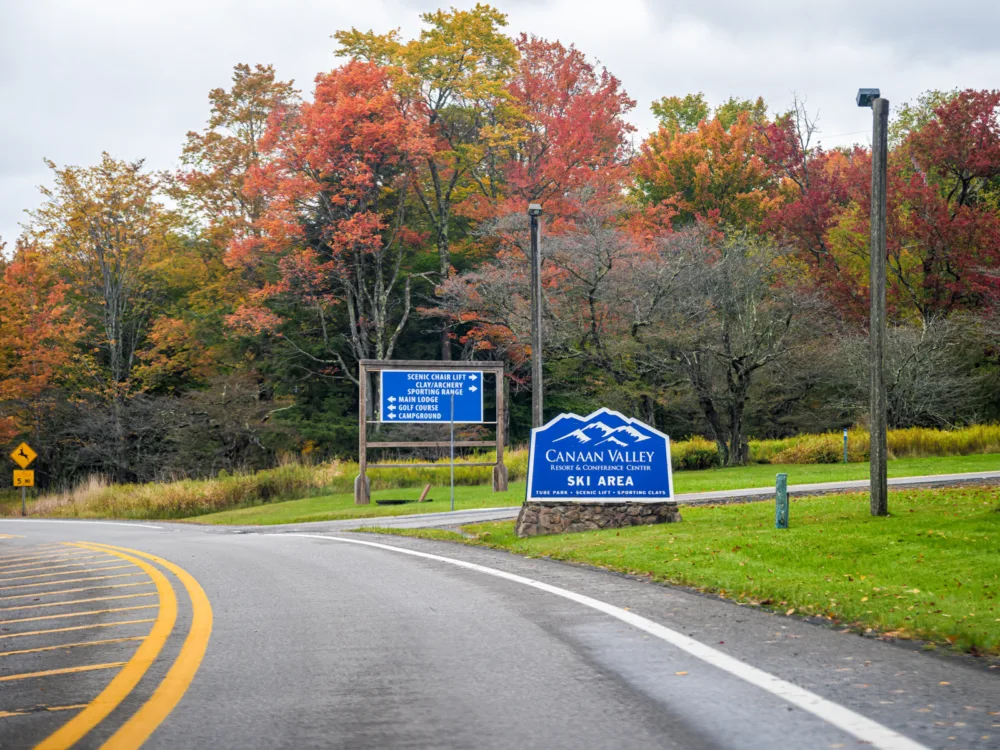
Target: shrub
{"x":696,"y":453}
{"x":822,"y":449}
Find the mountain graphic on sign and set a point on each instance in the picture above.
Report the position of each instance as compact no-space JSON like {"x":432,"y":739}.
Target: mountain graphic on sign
{"x":603,"y":456}
{"x":599,"y":433}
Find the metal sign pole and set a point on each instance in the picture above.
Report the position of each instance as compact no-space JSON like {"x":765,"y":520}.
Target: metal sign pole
{"x":537,"y":406}
{"x":781,"y":502}
{"x":24,"y":507}
{"x":453,"y":451}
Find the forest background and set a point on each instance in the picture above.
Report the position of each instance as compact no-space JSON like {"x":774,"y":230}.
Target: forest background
{"x":709,"y":277}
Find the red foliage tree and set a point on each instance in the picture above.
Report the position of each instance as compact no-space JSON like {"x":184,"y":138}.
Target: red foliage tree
{"x":943,"y":237}
{"x":575,"y":144}
{"x":575,"y":130}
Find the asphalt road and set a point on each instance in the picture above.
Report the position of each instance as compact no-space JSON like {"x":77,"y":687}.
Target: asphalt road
{"x":336,"y":642}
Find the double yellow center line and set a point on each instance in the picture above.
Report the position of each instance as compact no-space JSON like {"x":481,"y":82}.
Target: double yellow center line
{"x":171,"y":689}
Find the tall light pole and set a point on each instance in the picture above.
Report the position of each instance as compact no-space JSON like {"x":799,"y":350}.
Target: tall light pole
{"x":876,"y":327}
{"x":537,"y":418}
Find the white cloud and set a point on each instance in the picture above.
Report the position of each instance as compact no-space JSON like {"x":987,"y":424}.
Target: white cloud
{"x":133,"y":77}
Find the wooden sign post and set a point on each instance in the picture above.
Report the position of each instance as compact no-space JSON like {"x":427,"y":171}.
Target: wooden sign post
{"x":429,"y":369}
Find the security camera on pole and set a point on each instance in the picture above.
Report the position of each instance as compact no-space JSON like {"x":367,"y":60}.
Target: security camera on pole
{"x":537,"y":418}
{"x":876,"y":328}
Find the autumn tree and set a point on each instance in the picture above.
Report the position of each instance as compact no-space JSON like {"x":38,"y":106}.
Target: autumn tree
{"x":41,"y":360}
{"x":575,"y":131}
{"x":217,"y":160}
{"x":714,"y":171}
{"x":734,"y":311}
{"x":453,"y":79}
{"x":943,"y":229}
{"x":575,"y":144}
{"x":584,"y":267}
{"x":683,"y":114}
{"x":333,"y":241}
{"x":912,"y":116}
{"x":959,"y":148}
{"x":99,"y":228}
{"x":186,"y":345}
{"x":185,"y":342}
{"x":602,"y":283}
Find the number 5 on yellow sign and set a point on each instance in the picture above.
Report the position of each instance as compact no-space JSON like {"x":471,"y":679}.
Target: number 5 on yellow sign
{"x":24,"y":478}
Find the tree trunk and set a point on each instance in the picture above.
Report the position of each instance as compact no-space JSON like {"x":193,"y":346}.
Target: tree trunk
{"x":444,"y":255}
{"x":739,"y":449}
{"x":370,"y":396}
{"x":445,"y":344}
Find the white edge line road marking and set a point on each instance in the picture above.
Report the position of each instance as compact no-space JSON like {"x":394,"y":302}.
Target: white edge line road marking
{"x":843,"y":718}
{"x":90,"y":523}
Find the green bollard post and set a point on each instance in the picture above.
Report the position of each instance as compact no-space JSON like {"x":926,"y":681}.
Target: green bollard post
{"x":781,"y":502}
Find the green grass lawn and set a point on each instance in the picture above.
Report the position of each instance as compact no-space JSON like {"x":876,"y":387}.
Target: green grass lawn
{"x":762,"y":475}
{"x":341,"y":506}
{"x":931,"y":570}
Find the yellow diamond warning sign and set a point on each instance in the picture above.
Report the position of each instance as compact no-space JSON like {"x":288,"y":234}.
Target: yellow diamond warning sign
{"x":24,"y":478}
{"x":23,"y":455}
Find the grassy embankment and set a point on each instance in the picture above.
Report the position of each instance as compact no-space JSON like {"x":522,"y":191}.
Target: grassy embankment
{"x":324,"y":490}
{"x":339,"y":506}
{"x":929,"y":571}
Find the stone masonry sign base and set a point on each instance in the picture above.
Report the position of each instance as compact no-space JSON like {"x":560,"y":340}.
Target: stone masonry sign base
{"x":538,"y":517}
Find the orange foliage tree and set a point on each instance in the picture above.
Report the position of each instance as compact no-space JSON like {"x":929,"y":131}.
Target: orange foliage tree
{"x":713,"y":172}
{"x":41,"y":333}
{"x":332,"y":242}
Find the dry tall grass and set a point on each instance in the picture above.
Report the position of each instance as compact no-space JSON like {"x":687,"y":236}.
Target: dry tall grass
{"x":95,"y":498}
{"x":914,"y":442}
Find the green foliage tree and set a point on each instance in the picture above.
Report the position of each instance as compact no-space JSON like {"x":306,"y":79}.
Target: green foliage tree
{"x":681,"y":114}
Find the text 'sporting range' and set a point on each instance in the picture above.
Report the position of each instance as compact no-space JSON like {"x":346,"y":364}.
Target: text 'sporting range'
{"x":428,"y":396}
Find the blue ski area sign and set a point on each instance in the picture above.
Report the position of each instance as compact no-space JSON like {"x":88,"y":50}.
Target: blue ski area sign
{"x":603,"y":456}
{"x":425,"y":395}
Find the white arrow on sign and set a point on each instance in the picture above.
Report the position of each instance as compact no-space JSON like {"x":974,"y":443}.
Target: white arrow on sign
{"x":391,"y":399}
{"x":472,"y":377}
{"x":391,"y":407}
{"x":473,"y":388}
{"x":391,"y":415}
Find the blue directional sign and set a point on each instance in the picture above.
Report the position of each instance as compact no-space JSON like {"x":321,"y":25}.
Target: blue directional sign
{"x":603,"y":456}
{"x":426,"y":395}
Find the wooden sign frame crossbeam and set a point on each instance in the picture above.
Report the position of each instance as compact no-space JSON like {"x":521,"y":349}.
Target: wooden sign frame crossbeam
{"x":362,"y":487}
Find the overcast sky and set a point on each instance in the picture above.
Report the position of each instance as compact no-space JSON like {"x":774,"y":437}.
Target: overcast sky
{"x":131,"y":77}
